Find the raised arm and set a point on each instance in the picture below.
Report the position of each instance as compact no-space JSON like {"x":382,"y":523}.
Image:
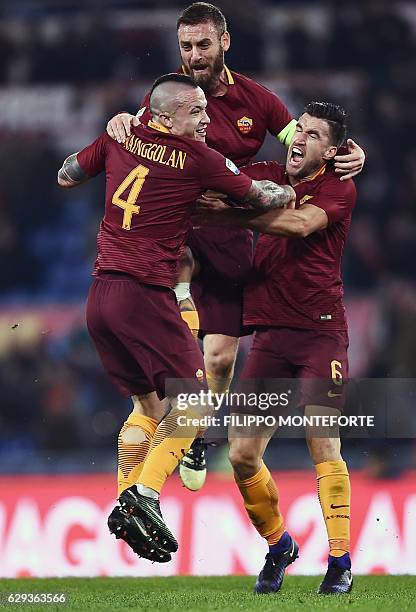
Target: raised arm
{"x":71,"y":174}
{"x":350,"y":164}
{"x":119,"y":126}
{"x":81,"y":166}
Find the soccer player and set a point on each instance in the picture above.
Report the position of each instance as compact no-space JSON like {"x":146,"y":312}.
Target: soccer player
{"x":242,"y":112}
{"x":294,"y":302}
{"x":152,"y":182}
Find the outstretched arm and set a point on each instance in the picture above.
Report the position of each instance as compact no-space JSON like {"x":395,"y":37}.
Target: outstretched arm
{"x":71,"y":174}
{"x":266,"y":195}
{"x":286,"y":222}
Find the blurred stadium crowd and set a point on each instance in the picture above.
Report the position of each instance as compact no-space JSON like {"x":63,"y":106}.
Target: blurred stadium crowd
{"x":66,"y":69}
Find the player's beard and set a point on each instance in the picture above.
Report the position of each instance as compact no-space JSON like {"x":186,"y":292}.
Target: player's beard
{"x":309,"y":169}
{"x":209,"y":81}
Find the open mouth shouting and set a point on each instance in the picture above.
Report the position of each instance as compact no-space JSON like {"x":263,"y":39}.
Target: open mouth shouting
{"x":296,"y":156}
{"x":200,"y":68}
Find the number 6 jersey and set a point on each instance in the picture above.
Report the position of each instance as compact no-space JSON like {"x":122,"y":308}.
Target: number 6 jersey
{"x":153,"y":180}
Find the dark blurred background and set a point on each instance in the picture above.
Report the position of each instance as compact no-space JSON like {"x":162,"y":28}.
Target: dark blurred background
{"x":66,"y":67}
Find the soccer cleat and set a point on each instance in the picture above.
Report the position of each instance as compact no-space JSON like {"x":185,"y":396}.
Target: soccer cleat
{"x":193,"y":467}
{"x":131,"y":529}
{"x":338,"y":578}
{"x":148,"y":510}
{"x":271,"y":576}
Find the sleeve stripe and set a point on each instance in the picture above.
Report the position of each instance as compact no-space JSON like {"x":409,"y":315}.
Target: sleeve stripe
{"x":286,"y":135}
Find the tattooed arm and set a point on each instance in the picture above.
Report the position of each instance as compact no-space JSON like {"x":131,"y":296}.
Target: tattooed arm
{"x":71,"y":174}
{"x":283,"y":222}
{"x":265,"y":195}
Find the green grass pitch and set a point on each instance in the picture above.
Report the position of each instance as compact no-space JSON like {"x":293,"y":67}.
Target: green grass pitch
{"x":392,"y":593}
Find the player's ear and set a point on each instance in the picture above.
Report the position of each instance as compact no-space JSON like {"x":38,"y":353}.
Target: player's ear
{"x":330,"y":153}
{"x":166,"y":121}
{"x":225,"y":41}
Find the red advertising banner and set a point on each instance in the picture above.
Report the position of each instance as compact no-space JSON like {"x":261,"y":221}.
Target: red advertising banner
{"x":57,"y":526}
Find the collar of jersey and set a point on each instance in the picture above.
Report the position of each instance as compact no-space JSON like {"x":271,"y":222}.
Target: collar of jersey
{"x":230,"y":77}
{"x":312,"y":177}
{"x":157,"y":126}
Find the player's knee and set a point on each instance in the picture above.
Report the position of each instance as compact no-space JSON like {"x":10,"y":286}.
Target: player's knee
{"x":132,"y":435}
{"x":219,"y":355}
{"x":245,"y":461}
{"x":219,"y":363}
{"x":324,"y":449}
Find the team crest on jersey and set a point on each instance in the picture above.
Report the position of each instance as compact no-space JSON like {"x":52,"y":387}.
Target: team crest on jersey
{"x":231,"y":166}
{"x":245,"y":124}
{"x":199,"y":375}
{"x":305,"y":199}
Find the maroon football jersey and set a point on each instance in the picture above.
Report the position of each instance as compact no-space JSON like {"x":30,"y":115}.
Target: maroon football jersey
{"x":152,"y":182}
{"x":297,"y":281}
{"x":241,"y":118}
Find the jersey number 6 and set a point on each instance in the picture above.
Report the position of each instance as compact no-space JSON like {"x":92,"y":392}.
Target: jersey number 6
{"x":336,"y":373}
{"x":136,"y":179}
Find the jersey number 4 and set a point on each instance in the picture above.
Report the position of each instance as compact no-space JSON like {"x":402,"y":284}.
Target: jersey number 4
{"x":135,"y":179}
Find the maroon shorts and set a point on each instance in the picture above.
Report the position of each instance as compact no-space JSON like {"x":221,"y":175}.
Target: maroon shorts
{"x":140,"y":336}
{"x":225,"y":257}
{"x":318,"y":358}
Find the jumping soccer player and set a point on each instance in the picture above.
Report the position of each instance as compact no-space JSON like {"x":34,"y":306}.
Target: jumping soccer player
{"x":294,"y":302}
{"x":241,"y":112}
{"x":152,"y":182}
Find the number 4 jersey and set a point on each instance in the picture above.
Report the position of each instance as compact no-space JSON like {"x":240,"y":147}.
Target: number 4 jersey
{"x":153,"y":180}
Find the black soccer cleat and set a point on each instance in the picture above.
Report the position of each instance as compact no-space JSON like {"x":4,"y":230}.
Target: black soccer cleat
{"x":193,"y":467}
{"x":336,"y":581}
{"x":271,"y":576}
{"x":131,"y":529}
{"x":148,"y":510}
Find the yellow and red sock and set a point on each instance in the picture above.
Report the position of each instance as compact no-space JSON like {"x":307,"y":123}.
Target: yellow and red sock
{"x":219,"y":385}
{"x":133,"y":445}
{"x":190,"y":315}
{"x":334,"y":494}
{"x":261,"y":501}
{"x":170,"y":443}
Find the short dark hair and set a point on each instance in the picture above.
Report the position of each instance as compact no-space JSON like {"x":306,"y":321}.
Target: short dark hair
{"x":334,"y":115}
{"x":173,"y":77}
{"x":203,"y":12}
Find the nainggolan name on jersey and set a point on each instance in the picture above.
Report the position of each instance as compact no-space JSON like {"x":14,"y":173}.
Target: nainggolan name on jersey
{"x":155,"y":152}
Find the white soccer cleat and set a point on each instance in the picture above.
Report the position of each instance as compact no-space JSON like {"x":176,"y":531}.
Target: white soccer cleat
{"x":193,"y":467}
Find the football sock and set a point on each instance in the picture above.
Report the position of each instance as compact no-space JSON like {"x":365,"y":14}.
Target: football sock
{"x":170,"y":443}
{"x":261,"y":503}
{"x":219,"y":385}
{"x":191,"y":318}
{"x":133,"y":445}
{"x":187,"y":307}
{"x":334,"y":496}
{"x":216,"y":385}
